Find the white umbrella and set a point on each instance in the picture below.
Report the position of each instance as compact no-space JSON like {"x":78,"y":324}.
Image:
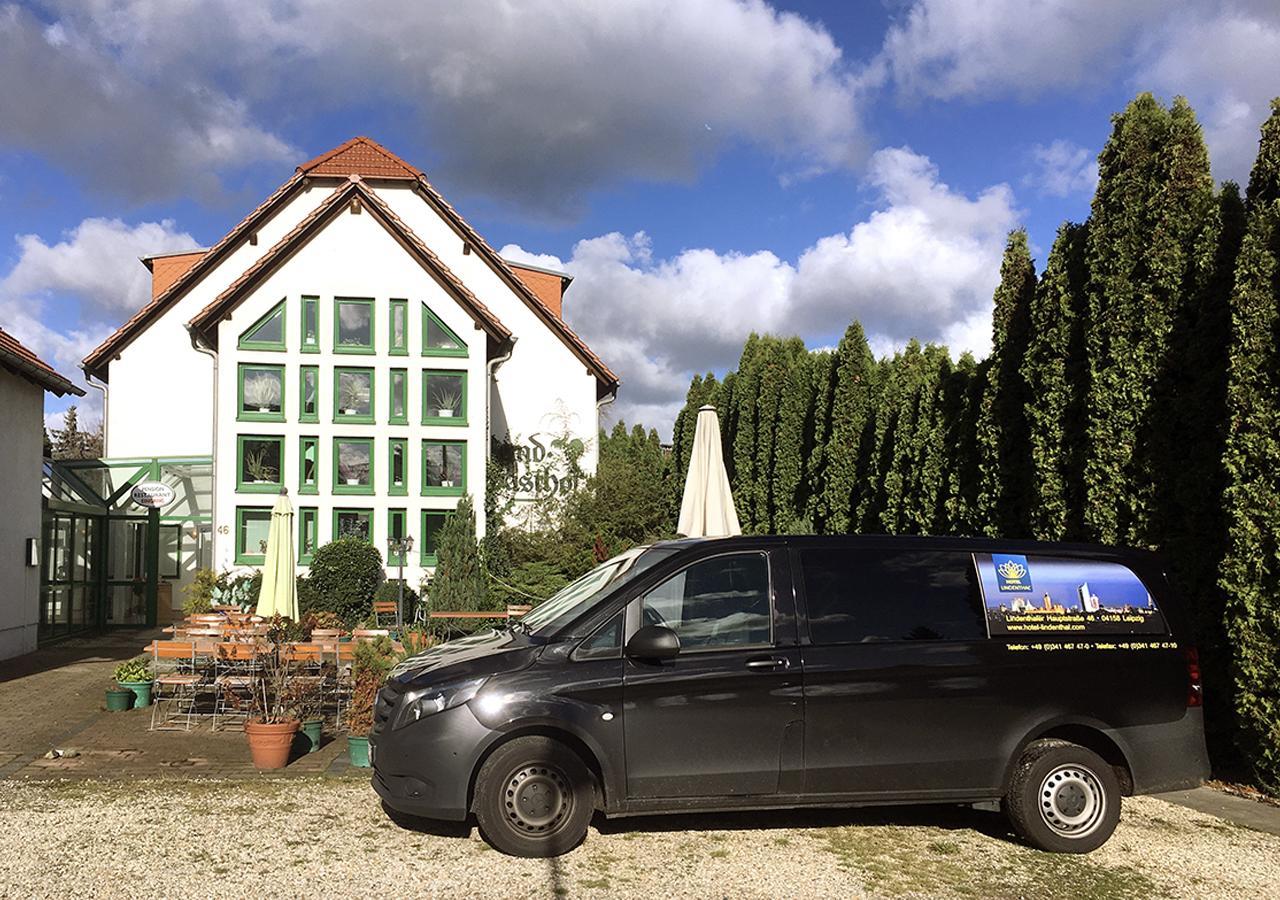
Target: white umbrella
{"x":707,"y":509}
{"x":279,"y":585}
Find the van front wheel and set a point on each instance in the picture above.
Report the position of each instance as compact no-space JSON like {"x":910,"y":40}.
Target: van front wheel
{"x":1063,"y":798}
{"x":534,"y":798}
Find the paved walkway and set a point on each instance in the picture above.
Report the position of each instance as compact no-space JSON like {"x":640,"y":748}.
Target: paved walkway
{"x":53,"y":700}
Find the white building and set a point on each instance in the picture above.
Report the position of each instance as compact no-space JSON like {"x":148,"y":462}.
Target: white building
{"x":355,"y":341}
{"x":24,"y":378}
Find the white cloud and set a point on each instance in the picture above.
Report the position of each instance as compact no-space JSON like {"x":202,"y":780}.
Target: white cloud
{"x":924,"y":265}
{"x":96,"y":263}
{"x":1063,"y":168}
{"x":535,"y":102}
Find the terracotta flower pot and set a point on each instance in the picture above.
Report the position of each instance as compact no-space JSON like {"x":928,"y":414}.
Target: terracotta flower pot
{"x":270,"y":743}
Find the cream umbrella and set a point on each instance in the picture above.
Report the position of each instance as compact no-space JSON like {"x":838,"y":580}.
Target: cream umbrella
{"x":279,"y":586}
{"x":707,"y":509}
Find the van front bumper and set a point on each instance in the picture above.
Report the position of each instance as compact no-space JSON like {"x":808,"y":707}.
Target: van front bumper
{"x":425,"y":768}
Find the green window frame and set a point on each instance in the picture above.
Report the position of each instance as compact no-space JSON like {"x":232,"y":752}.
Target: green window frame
{"x":310,"y":325}
{"x":347,"y":395}
{"x":258,"y":518}
{"x":309,"y":394}
{"x":308,"y":533}
{"x":398,"y":327}
{"x":344,"y":470}
{"x":398,"y":397}
{"x":449,"y":460}
{"x":252,"y":470}
{"x":446,"y":340}
{"x":358,"y":514}
{"x":398,"y":469}
{"x":432,"y":521}
{"x":308,"y":465}
{"x":358,"y":346}
{"x":255,"y":395}
{"x":250,"y":340}
{"x":439,"y":388}
{"x":397,"y":522}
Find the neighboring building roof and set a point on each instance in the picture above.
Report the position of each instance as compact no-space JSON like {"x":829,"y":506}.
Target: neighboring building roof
{"x":352,"y":191}
{"x":17,"y":358}
{"x":166,"y":268}
{"x":97,"y":361}
{"x":367,"y":159}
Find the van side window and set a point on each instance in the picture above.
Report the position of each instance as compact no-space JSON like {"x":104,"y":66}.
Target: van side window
{"x":856,"y":596}
{"x":606,"y":643}
{"x":718,"y":602}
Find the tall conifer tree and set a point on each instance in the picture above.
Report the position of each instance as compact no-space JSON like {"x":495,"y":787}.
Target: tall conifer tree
{"x":852,"y":411}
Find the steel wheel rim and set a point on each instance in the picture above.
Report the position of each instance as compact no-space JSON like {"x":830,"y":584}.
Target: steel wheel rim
{"x":537,"y":800}
{"x":1072,"y":801}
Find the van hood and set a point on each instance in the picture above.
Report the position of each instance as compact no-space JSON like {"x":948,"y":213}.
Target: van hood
{"x":489,"y":653}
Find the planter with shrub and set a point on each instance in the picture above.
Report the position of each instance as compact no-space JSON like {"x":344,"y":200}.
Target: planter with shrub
{"x":280,"y":701}
{"x":373,"y":663}
{"x":135,"y":675}
{"x":119,"y":699}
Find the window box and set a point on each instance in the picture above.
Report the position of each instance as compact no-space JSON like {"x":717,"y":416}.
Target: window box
{"x":444,"y":397}
{"x":353,"y":395}
{"x":353,"y":465}
{"x":353,"y":523}
{"x":267,"y":333}
{"x":261,"y":393}
{"x":260,"y":463}
{"x":353,"y":325}
{"x":438,"y":339}
{"x":444,"y":468}
{"x":253,"y":523}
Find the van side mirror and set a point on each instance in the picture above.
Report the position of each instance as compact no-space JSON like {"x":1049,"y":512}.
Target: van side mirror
{"x":653,"y":642}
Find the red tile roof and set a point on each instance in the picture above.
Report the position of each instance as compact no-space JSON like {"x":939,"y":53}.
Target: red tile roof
{"x":207,"y":319}
{"x":363,"y":157}
{"x":14,"y":356}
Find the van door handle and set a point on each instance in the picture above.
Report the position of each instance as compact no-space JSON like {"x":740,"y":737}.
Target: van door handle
{"x":769,"y":662}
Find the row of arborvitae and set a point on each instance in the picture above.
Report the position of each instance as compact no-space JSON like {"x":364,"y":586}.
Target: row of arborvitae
{"x":1132,"y":396}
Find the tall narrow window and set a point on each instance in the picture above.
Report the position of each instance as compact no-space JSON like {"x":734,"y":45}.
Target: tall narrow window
{"x":353,"y":325}
{"x":252,"y":526}
{"x":353,"y":465}
{"x":395,"y":532}
{"x":398,"y":330}
{"x":432,"y":521}
{"x":444,"y":468}
{"x":444,"y":398}
{"x":310,"y":324}
{"x":309,"y":391}
{"x":308,"y":465}
{"x":353,"y":523}
{"x":261,"y":393}
{"x":267,"y":333}
{"x":308,"y":533}
{"x":398,"y":466}
{"x":353,"y":395}
{"x":398,"y":398}
{"x":438,"y":339}
{"x":261,"y":463}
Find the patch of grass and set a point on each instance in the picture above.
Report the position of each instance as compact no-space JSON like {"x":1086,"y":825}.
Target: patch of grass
{"x":719,"y":854}
{"x":594,"y":883}
{"x":782,"y":842}
{"x":896,"y":860}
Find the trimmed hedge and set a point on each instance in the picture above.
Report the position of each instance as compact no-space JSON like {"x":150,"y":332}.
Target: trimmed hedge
{"x":345,"y":575}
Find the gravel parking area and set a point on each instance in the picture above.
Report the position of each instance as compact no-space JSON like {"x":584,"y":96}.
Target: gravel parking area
{"x":291,"y":837}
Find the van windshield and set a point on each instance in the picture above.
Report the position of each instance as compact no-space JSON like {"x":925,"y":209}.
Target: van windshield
{"x":576,"y":598}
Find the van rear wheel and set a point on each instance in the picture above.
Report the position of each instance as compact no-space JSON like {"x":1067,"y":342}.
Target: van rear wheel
{"x":1063,"y":798}
{"x":534,"y":798}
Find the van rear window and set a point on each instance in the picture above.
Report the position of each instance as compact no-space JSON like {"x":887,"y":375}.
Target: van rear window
{"x":1059,"y":595}
{"x":856,"y":596}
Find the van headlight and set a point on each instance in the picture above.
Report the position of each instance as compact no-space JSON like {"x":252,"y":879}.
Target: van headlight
{"x":422,"y":702}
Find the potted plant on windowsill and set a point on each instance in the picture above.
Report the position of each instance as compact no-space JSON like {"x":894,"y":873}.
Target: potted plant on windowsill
{"x":273,"y":720}
{"x":353,"y":398}
{"x":135,"y":675}
{"x":262,"y":392}
{"x":373,"y":663}
{"x":447,"y":402}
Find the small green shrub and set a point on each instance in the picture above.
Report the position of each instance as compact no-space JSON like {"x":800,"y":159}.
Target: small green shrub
{"x":200,"y":592}
{"x":344,"y":576}
{"x":135,"y":670}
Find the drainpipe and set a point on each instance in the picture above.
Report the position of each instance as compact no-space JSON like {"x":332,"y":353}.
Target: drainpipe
{"x":100,"y":386}
{"x":491,"y":370}
{"x":213,"y":484}
{"x":600,"y":404}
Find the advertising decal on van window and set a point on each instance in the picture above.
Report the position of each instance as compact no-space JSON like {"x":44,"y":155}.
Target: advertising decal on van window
{"x":1046,"y":594}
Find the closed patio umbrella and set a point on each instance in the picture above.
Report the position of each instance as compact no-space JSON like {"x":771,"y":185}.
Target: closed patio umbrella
{"x":707,"y":508}
{"x":279,"y":588}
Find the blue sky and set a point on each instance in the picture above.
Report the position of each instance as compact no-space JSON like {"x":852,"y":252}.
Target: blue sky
{"x":704,"y":168}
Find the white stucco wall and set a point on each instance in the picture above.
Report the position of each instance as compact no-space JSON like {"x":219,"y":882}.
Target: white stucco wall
{"x":353,"y":256}
{"x":22,"y":411}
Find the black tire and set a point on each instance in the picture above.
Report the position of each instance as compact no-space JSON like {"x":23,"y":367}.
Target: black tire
{"x":534,"y":798}
{"x":1063,"y":798}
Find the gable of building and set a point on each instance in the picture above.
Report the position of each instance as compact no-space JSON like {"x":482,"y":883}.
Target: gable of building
{"x":20,"y":361}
